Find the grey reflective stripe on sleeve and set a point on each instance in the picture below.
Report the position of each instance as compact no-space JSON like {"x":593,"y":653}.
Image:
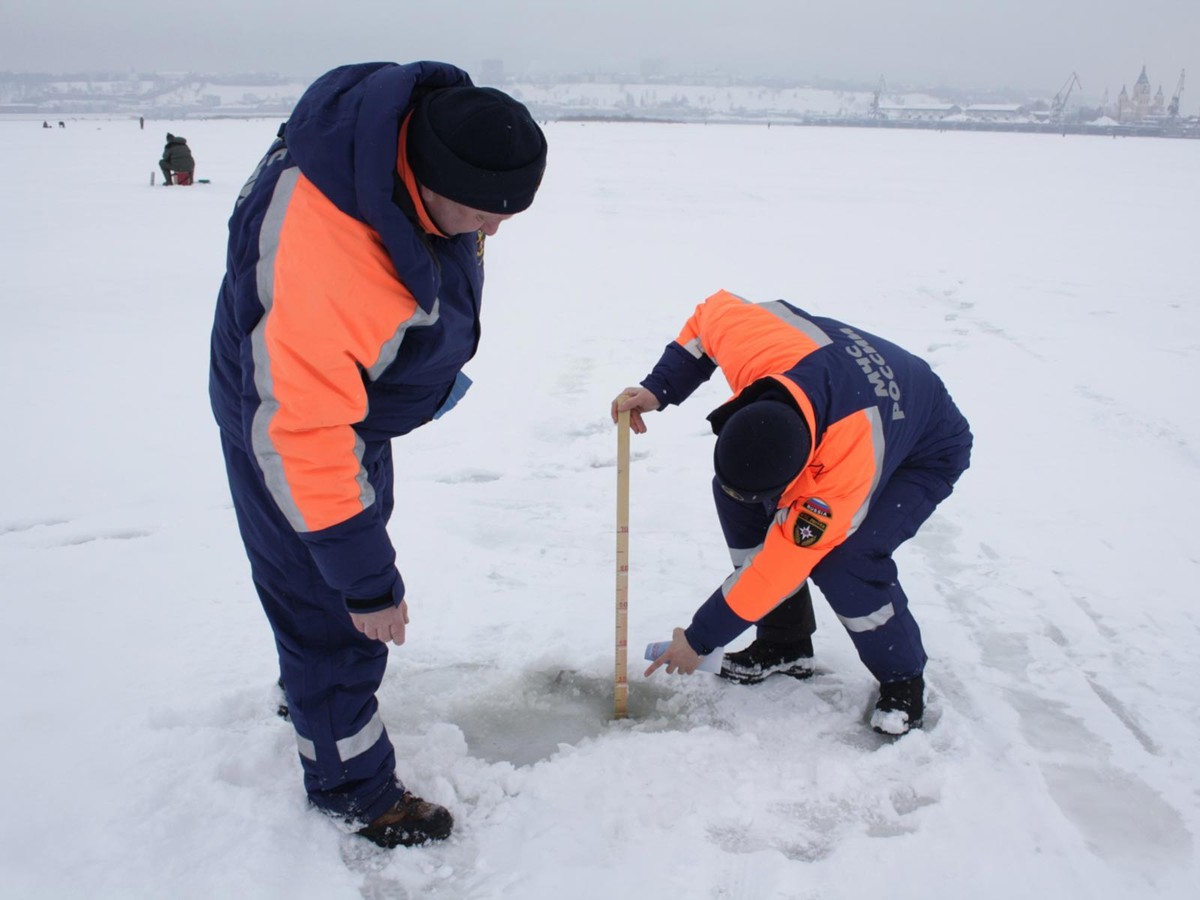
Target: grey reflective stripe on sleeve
{"x":391,"y":347}
{"x":264,"y":273}
{"x":306,"y":747}
{"x":735,"y":576}
{"x":694,"y":347}
{"x":871,"y":622}
{"x":358,"y":744}
{"x":740,"y":557}
{"x":728,"y":583}
{"x":810,"y":329}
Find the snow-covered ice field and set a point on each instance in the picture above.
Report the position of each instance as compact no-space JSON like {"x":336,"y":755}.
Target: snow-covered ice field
{"x":1052,"y":282}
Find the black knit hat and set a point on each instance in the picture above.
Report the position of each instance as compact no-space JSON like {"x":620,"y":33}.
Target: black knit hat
{"x":761,"y":449}
{"x":478,"y":147}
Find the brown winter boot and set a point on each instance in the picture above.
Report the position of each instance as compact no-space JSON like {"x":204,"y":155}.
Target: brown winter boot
{"x":409,"y":822}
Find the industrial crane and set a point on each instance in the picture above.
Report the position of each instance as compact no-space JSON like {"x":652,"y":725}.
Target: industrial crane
{"x":1059,"y":104}
{"x":882,"y":86}
{"x":1173,"y":106}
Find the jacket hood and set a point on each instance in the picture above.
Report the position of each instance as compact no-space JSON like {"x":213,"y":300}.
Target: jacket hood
{"x":344,"y":135}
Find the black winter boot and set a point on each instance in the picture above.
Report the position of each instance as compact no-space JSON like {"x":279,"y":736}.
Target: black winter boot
{"x":764,"y":658}
{"x":900,"y":708}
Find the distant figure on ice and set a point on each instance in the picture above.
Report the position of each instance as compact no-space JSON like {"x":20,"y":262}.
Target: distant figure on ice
{"x":834,"y":449}
{"x":62,"y":124}
{"x":349,"y":307}
{"x":45,"y":124}
{"x":177,"y":159}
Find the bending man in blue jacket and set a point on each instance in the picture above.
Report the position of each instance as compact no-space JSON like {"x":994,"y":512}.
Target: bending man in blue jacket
{"x":349,"y":306}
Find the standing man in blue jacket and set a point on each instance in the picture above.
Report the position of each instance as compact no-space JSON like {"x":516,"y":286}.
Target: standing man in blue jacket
{"x":350,"y":304}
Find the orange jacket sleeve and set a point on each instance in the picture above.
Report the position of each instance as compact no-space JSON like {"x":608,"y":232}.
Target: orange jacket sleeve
{"x":337,"y":306}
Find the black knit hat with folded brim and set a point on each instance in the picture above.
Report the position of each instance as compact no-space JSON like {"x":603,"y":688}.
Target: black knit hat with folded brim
{"x":761,"y":449}
{"x":478,"y":147}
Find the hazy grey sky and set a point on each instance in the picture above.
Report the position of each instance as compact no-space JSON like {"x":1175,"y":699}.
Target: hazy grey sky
{"x":1029,"y":44}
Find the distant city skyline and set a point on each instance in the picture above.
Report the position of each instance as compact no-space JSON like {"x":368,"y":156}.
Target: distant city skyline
{"x":1025,"y":45}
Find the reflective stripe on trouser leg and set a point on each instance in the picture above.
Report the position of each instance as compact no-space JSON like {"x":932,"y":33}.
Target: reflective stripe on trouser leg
{"x":347,"y":748}
{"x":859,"y":579}
{"x":864,"y":593}
{"x":330,"y":671}
{"x":348,"y":760}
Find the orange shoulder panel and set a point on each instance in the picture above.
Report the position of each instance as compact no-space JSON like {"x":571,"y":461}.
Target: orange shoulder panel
{"x":337,"y":301}
{"x":745,"y":340}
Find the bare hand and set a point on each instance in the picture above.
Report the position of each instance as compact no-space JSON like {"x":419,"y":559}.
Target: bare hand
{"x":385,"y":625}
{"x":636,"y":400}
{"x":680,"y":658}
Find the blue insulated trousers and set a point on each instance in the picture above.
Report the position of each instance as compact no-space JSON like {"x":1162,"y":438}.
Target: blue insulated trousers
{"x":859,"y":576}
{"x":859,"y":579}
{"x":329,"y":670}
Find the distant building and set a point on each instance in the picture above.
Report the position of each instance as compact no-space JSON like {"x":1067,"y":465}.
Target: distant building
{"x":996,"y":112}
{"x":930,"y":113}
{"x":1140,"y":106}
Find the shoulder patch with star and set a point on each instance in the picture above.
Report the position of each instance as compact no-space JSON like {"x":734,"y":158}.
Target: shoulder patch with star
{"x":812,"y":518}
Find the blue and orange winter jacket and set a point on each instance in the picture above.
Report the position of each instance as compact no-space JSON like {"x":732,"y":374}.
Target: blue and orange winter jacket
{"x":344,"y":318}
{"x":868,"y":404}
